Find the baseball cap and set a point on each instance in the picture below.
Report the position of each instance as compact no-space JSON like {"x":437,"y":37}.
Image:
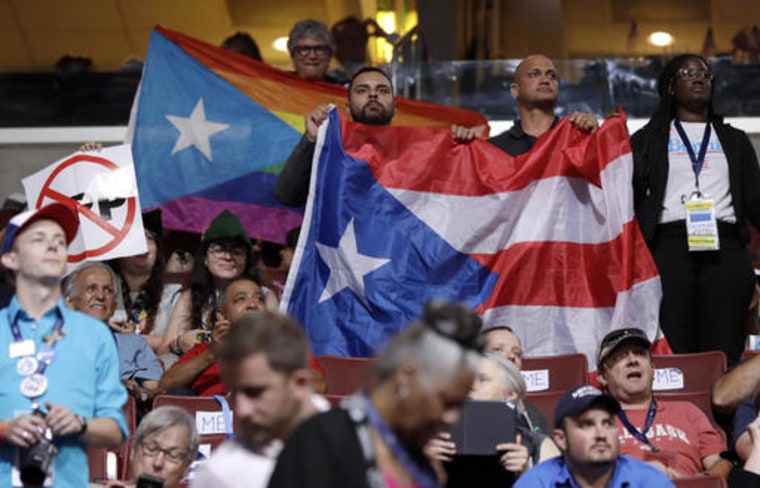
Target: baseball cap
{"x":615,"y":338}
{"x":577,"y":400}
{"x":61,"y":213}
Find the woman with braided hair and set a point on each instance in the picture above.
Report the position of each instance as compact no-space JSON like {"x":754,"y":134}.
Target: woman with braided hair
{"x":696,"y":186}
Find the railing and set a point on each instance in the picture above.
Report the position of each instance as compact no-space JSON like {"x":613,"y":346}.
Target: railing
{"x":596,"y":86}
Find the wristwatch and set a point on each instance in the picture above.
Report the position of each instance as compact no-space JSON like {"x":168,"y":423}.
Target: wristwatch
{"x":83,"y":421}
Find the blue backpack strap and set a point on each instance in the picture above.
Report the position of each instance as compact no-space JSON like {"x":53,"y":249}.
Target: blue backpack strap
{"x":227,"y":414}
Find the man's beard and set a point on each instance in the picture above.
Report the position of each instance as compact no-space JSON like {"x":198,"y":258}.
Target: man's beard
{"x":381,"y":116}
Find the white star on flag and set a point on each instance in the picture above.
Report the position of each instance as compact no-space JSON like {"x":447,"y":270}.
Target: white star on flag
{"x":347,"y":266}
{"x":195,"y":130}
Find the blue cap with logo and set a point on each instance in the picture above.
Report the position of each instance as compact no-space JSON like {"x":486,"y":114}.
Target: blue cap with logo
{"x":576,"y":401}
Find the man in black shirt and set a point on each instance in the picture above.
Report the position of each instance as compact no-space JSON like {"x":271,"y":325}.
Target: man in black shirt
{"x":536,"y":89}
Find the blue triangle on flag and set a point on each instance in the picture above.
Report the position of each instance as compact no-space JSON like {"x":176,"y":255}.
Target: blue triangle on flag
{"x":233,"y":137}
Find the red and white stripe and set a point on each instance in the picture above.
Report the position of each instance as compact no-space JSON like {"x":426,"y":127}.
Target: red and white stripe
{"x":557,"y":225}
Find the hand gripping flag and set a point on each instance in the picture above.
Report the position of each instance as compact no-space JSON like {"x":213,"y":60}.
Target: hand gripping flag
{"x":212,"y":130}
{"x":545,"y":243}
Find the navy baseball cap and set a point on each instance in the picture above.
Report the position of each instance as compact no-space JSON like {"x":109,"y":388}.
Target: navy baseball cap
{"x":577,"y":400}
{"x":61,"y":213}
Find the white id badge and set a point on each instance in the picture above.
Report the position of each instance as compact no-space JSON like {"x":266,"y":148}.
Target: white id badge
{"x":19,"y":349}
{"x":701,"y":225}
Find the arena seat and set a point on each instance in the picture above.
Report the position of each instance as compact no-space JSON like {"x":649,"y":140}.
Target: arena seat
{"x":545,"y":402}
{"x":98,"y":457}
{"x":344,"y":375}
{"x":702,"y":481}
{"x":555,"y":373}
{"x":687,"y":372}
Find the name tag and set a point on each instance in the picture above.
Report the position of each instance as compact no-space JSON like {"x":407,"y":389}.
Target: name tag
{"x":701,"y":225}
{"x":21,"y":348}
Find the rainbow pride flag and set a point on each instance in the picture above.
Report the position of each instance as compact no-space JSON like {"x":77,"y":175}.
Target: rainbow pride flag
{"x":212,"y":130}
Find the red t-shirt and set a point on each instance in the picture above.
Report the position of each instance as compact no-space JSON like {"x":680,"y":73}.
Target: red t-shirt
{"x":209,"y":382}
{"x":681,"y":431}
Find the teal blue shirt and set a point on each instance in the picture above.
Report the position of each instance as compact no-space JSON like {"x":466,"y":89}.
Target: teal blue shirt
{"x":84,"y":377}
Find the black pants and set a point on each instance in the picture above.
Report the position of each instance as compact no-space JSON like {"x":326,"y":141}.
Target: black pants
{"x":705,"y":294}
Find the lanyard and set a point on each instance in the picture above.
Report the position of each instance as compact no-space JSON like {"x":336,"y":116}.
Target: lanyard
{"x":419,"y":476}
{"x":696,"y":161}
{"x":641,"y":436}
{"x":46,"y":356}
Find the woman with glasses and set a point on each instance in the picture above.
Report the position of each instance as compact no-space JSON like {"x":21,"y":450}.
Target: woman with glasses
{"x":696,"y":186}
{"x":224,"y":254}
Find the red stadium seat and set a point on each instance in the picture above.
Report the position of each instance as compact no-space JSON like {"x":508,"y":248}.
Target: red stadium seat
{"x":711,"y":481}
{"x":701,"y":399}
{"x":555,"y":373}
{"x":344,"y":375}
{"x":688,"y":372}
{"x":97,"y":457}
{"x":545,"y":402}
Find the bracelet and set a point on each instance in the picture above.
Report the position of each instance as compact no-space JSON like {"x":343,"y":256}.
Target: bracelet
{"x":82,"y":420}
{"x":3,"y":426}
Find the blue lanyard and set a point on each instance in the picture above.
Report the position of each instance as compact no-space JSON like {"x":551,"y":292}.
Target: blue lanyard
{"x":46,"y":356}
{"x":696,"y":161}
{"x":419,"y":476}
{"x":641,"y":436}
{"x":227,"y":415}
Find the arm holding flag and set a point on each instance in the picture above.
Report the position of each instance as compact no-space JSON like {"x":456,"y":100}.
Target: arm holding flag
{"x":293,"y":183}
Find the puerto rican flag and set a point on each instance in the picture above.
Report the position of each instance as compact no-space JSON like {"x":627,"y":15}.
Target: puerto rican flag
{"x":545,"y":243}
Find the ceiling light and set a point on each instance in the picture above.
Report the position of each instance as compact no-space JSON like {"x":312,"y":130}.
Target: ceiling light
{"x":280,"y":44}
{"x":660,"y":39}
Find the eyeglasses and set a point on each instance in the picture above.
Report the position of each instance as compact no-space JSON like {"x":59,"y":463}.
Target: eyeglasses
{"x":692,"y":74}
{"x":218,"y":250}
{"x":304,"y":51}
{"x":153,"y":450}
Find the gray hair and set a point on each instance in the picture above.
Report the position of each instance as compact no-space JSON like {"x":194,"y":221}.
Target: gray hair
{"x":161,"y":419}
{"x":510,"y":376}
{"x":313,"y":28}
{"x":68,"y":285}
{"x":439,"y":358}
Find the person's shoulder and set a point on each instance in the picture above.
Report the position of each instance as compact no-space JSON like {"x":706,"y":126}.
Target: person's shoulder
{"x":94,"y":327}
{"x":333,"y":422}
{"x":542,"y":474}
{"x":643,"y":132}
{"x":726,"y":129}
